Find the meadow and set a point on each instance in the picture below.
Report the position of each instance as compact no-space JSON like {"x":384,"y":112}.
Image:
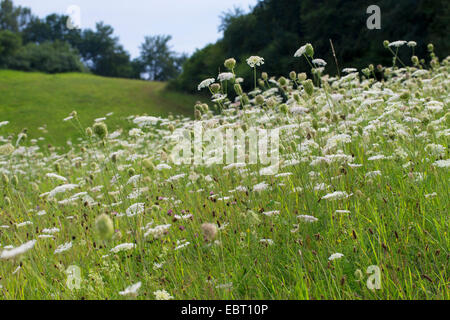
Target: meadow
{"x":357,"y":210}
{"x":38,"y":102}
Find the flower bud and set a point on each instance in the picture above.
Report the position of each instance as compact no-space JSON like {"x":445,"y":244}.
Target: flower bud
{"x":282,"y":81}
{"x":293,"y":75}
{"x":315,"y":124}
{"x":308,"y":86}
{"x":366,"y":72}
{"x":34,"y":187}
{"x":259,"y":99}
{"x":148,"y":164}
{"x":6,"y":149}
{"x":309,"y":50}
{"x":15,"y":180}
{"x":104,"y":226}
{"x":244,"y":100}
{"x":230,"y":63}
{"x":101,"y":130}
{"x":405,"y":95}
{"x":271,"y":102}
{"x":209,"y":231}
{"x":5,"y":179}
{"x":198,"y":107}
{"x":215,"y":87}
{"x":238,"y":89}
{"x":302,"y":76}
{"x":265,"y":76}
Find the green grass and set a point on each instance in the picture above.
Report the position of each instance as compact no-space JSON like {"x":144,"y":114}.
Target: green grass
{"x":383,"y":145}
{"x":32,"y":100}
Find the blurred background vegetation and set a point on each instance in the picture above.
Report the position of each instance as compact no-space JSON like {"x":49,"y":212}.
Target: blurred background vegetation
{"x":273,"y":29}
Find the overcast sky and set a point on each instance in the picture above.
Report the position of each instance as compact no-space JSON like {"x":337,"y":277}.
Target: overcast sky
{"x":192,"y":23}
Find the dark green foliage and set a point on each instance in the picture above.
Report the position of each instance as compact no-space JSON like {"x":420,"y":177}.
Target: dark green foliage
{"x":13,"y":18}
{"x":201,"y":65}
{"x":102,"y":52}
{"x":157,"y":61}
{"x":72,"y":50}
{"x":49,"y":57}
{"x":275,"y":29}
{"x":53,"y":27}
{"x":10,"y":43}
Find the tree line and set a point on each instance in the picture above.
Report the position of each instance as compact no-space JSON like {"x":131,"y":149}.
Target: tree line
{"x":30,"y":43}
{"x":275,"y":29}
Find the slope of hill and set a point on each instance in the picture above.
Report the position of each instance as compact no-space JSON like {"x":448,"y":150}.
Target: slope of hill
{"x":34,"y":100}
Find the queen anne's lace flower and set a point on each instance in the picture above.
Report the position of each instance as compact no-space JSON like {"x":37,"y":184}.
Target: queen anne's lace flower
{"x":255,"y":61}
{"x":206,"y":83}
{"x":162,"y":295}
{"x":335,"y":256}
{"x":131,"y":290}
{"x":14,"y":252}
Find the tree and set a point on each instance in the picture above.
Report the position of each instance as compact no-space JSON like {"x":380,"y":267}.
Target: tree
{"x":158,"y":61}
{"x":227,"y":18}
{"x":49,"y":57}
{"x":201,"y":65}
{"x":51,"y":28}
{"x":102,"y":53}
{"x":10,"y":43}
{"x":13,"y":18}
{"x":275,"y":29}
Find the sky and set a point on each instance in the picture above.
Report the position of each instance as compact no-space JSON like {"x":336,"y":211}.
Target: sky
{"x":191,"y":23}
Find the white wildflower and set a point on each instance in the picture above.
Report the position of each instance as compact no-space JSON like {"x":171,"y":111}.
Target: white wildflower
{"x":206,"y":83}
{"x":55,"y":176}
{"x":397,"y":43}
{"x":319,"y":62}
{"x":307,"y":218}
{"x":255,"y":61}
{"x":135,"y":132}
{"x":131,"y":290}
{"x":335,"y":256}
{"x":225,"y":76}
{"x":271,"y":213}
{"x":337,"y":195}
{"x":442,"y":163}
{"x":162,"y":295}
{"x":260,"y":187}
{"x":123,"y":247}
{"x":135,"y":209}
{"x":64,"y":247}
{"x":14,"y":252}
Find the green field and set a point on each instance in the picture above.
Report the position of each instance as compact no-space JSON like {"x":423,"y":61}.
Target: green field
{"x":353,"y":204}
{"x":32,"y":100}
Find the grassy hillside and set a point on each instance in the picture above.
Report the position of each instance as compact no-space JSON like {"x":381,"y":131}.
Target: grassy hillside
{"x":32,"y":100}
